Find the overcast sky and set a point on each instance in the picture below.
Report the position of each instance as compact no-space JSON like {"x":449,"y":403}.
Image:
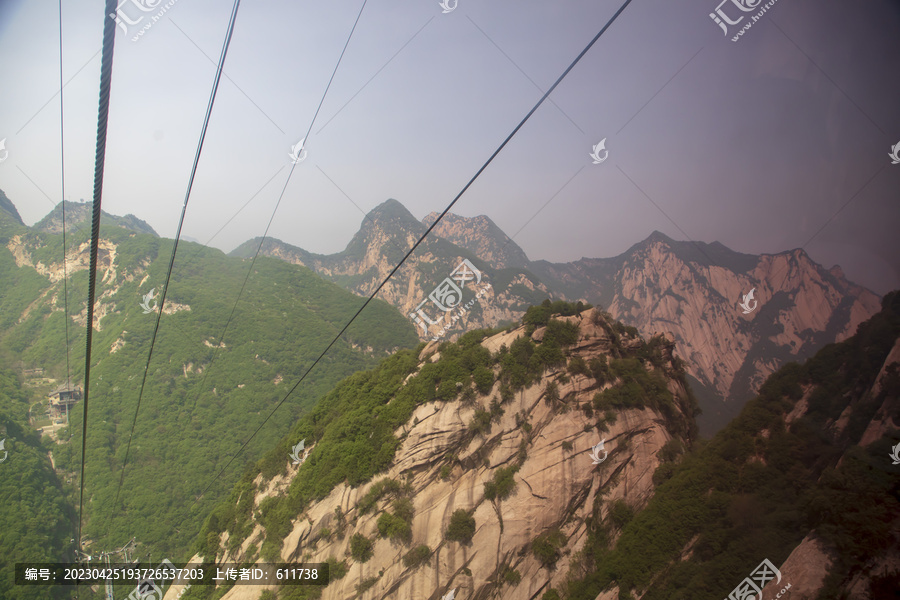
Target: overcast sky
{"x":777,"y":141}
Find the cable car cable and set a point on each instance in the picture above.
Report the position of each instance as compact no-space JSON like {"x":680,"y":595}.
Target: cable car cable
{"x":424,"y":235}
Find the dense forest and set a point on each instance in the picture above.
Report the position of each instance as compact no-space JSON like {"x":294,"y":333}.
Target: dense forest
{"x":36,"y":522}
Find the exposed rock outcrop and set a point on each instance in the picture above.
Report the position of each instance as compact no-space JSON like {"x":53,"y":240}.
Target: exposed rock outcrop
{"x":444,"y":467}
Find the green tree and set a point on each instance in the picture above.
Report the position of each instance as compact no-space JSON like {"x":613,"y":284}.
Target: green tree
{"x":361,"y":547}
{"x":461,"y":528}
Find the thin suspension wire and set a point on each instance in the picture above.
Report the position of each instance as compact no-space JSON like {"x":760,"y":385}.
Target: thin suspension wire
{"x":275,"y":210}
{"x":187,"y":195}
{"x":62,"y":159}
{"x":106,"y":63}
{"x":422,"y":238}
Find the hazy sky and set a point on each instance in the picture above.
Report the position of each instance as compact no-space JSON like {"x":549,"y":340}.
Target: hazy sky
{"x":774,"y":142}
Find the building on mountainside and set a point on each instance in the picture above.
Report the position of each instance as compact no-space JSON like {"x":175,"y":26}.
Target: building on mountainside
{"x":62,"y":398}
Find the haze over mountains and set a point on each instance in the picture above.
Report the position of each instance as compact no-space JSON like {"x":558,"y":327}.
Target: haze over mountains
{"x":690,"y":289}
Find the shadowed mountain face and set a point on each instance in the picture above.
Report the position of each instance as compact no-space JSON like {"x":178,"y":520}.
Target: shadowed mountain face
{"x":692,"y":290}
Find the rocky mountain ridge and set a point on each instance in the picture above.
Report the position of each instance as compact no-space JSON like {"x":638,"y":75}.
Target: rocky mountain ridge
{"x":692,"y":290}
{"x":517,"y":467}
{"x":797,"y":496}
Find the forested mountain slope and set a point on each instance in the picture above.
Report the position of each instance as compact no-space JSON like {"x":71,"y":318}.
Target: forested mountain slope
{"x":36,"y":522}
{"x":78,"y":218}
{"x":204,"y":395}
{"x":803,"y":477}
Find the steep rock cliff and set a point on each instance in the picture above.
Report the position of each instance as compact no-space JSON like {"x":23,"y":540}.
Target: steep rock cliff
{"x":520,"y":466}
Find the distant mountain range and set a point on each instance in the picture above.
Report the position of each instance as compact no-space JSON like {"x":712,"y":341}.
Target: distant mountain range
{"x":690,"y":289}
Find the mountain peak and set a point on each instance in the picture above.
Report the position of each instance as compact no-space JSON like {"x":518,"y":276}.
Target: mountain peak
{"x":8,"y":207}
{"x":392,"y":210}
{"x":658,"y":236}
{"x":78,"y":213}
{"x":480,"y":236}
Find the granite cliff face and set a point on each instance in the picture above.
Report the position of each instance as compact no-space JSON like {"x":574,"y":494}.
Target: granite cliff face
{"x":529,"y":529}
{"x":691,"y":290}
{"x":797,"y":308}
